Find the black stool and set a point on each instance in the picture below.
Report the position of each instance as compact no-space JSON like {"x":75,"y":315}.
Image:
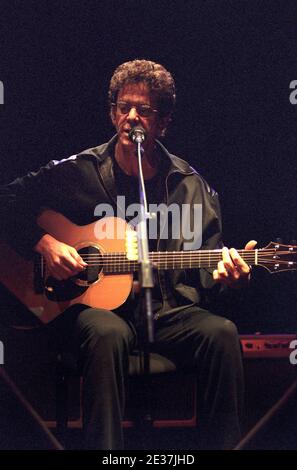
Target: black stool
{"x":172,"y":393}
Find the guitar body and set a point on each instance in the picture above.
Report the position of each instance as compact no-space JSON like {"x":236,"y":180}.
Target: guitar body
{"x":108,"y":292}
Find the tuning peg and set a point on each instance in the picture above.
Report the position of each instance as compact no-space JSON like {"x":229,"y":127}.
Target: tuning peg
{"x":131,"y":245}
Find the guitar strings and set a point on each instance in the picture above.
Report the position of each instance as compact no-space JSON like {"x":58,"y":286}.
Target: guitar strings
{"x":163,"y":258}
{"x":182,"y":254}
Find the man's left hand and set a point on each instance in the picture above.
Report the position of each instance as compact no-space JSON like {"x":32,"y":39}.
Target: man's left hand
{"x":232,"y":270}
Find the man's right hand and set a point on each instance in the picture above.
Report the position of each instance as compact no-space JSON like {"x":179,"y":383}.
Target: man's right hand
{"x":62,"y":260}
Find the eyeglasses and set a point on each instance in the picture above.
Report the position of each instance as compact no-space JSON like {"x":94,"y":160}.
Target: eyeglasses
{"x":144,"y":110}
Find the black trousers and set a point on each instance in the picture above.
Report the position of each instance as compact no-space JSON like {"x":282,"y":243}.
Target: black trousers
{"x":190,"y":338}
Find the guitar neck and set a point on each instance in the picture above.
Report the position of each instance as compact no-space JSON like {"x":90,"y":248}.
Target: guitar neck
{"x":118,"y":262}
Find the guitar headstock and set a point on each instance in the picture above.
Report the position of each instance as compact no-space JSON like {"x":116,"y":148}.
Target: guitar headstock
{"x":277,"y":257}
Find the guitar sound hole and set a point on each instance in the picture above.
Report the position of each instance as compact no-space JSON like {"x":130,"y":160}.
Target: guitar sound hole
{"x":92,"y":256}
{"x":75,"y":286}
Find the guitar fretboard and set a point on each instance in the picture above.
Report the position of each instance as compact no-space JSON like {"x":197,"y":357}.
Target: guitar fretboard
{"x":118,"y":262}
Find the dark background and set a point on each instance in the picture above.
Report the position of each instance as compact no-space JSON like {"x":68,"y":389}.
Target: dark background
{"x":233,"y":62}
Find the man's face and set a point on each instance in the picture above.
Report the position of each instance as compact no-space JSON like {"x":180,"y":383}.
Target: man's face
{"x":136,"y":106}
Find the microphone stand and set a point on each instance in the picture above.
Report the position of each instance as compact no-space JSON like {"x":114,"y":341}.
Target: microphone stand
{"x":146,"y":280}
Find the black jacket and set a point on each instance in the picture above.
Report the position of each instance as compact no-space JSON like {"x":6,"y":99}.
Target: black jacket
{"x":74,"y":187}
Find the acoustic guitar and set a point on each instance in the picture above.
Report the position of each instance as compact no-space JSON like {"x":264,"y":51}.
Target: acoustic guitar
{"x":108,"y":278}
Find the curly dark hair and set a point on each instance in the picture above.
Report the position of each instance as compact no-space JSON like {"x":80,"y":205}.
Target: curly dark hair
{"x":158,"y":79}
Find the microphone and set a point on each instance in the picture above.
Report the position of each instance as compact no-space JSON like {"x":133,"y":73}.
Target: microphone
{"x":137,"y":134}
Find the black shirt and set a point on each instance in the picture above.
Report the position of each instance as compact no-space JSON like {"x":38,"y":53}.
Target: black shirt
{"x":155,"y":193}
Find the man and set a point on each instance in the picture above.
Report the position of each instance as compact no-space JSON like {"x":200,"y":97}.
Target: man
{"x":141,"y":93}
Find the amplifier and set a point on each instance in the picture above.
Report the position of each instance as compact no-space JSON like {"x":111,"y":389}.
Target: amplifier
{"x":268,"y":372}
{"x":262,"y":346}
